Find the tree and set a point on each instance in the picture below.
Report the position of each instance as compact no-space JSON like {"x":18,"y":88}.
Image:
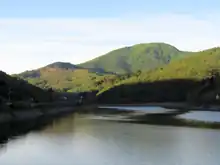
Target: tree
{"x":51,"y":91}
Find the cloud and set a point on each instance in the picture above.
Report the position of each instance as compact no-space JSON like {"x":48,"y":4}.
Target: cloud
{"x":32,"y":43}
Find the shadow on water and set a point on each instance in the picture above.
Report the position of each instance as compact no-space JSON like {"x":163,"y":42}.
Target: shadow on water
{"x":166,"y":118}
{"x":13,"y":130}
{"x":172,"y":119}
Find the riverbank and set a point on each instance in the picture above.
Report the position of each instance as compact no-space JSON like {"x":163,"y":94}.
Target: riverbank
{"x":22,"y":115}
{"x":43,"y":111}
{"x":40,"y":110}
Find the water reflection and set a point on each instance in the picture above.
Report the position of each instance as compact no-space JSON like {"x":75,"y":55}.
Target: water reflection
{"x":148,"y":109}
{"x":202,"y":116}
{"x":72,"y":140}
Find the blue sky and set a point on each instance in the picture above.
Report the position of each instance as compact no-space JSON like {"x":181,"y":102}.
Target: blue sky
{"x":36,"y":33}
{"x":100,"y":8}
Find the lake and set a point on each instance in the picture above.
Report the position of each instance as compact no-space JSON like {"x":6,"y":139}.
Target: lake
{"x":206,"y":116}
{"x":202,"y":116}
{"x":73,"y":140}
{"x":148,"y":109}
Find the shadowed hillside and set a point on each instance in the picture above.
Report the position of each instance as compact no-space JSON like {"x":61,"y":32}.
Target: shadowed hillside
{"x":175,"y":90}
{"x":196,"y":66}
{"x":20,"y":90}
{"x":173,"y":82}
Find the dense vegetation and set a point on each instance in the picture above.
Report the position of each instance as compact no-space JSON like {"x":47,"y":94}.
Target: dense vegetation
{"x":99,"y":73}
{"x":15,"y":89}
{"x":163,"y":74}
{"x":195,"y":66}
{"x":65,"y":77}
{"x":173,"y":82}
{"x":138,"y":57}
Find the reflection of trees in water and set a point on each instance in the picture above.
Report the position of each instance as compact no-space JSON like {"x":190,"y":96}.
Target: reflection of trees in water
{"x":44,"y":125}
{"x":62,"y":125}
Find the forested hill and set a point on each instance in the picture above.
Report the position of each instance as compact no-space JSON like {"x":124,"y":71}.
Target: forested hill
{"x":138,"y":57}
{"x":172,"y":82}
{"x":65,"y":77}
{"x":195,"y":66}
{"x":139,"y":63}
{"x":20,"y":89}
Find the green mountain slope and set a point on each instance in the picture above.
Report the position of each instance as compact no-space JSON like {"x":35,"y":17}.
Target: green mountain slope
{"x":171,"y":82}
{"x":65,"y":77}
{"x":134,"y":58}
{"x":196,"y":66}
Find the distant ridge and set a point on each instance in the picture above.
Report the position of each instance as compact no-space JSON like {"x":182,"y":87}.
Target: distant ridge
{"x":63,"y":65}
{"x":138,"y":57}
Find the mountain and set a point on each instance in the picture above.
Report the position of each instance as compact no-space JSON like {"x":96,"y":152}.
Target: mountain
{"x":63,"y":65}
{"x":20,"y":89}
{"x":65,"y":77}
{"x":54,"y":66}
{"x":172,"y":82}
{"x":138,"y":57}
{"x":100,"y":72}
{"x":195,"y":66}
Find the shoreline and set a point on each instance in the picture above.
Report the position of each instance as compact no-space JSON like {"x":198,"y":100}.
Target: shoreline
{"x":20,"y":122}
{"x":169,"y":105}
{"x":10,"y":115}
{"x":31,"y":114}
{"x":120,"y":115}
{"x":163,"y":119}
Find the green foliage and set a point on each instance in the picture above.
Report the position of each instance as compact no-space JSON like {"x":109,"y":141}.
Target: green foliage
{"x":173,"y":81}
{"x":137,"y":57}
{"x":20,"y":89}
{"x":141,"y":63}
{"x":194,"y":66}
{"x":64,"y":79}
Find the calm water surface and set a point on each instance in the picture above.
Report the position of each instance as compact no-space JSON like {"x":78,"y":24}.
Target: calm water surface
{"x":148,"y":109}
{"x":207,"y":116}
{"x":95,"y":142}
{"x":202,"y":116}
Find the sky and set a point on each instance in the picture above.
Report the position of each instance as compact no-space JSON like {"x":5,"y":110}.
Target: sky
{"x":36,"y":33}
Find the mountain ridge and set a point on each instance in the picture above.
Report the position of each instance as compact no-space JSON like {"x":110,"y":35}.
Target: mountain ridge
{"x":144,"y":56}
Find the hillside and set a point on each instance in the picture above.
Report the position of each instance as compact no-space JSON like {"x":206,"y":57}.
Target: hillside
{"x":134,"y":58}
{"x":20,"y":90}
{"x":196,"y":66}
{"x":92,"y":75}
{"x":170,"y":82}
{"x":65,"y":77}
